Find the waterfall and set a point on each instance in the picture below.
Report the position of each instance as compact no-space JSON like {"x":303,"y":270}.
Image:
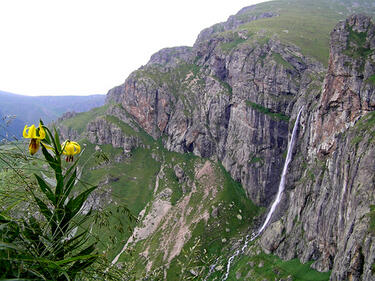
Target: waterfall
{"x":283,"y":174}
{"x":277,"y":199}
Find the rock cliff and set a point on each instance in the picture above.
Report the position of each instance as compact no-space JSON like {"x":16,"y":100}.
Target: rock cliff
{"x":233,"y":104}
{"x":331,"y":186}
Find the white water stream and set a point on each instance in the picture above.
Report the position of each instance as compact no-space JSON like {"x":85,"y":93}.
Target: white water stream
{"x":274,"y":204}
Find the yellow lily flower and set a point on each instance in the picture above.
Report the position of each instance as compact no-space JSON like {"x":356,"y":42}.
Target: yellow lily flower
{"x":35,"y":134}
{"x":70,"y":148}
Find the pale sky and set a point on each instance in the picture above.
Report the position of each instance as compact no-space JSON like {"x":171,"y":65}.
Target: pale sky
{"x":81,"y":47}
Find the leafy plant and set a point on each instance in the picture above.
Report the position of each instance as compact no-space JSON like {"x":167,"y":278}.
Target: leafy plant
{"x":50,"y":244}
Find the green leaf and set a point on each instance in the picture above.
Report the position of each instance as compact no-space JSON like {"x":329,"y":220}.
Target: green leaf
{"x":43,"y":208}
{"x":59,"y":189}
{"x":71,"y":167}
{"x":35,"y":225}
{"x":16,"y":279}
{"x":51,"y":161}
{"x":76,"y":242}
{"x":53,"y":141}
{"x":69,"y":185}
{"x":76,"y":258}
{"x":4,"y":245}
{"x":47,"y":139}
{"x":4,"y":219}
{"x":57,"y":140}
{"x":46,"y":189}
{"x":80,"y":265}
{"x":75,"y":204}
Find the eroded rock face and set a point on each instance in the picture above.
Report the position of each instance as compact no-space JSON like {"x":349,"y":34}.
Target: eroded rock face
{"x":67,"y":133}
{"x":215,"y":107}
{"x":171,"y":57}
{"x":102,"y":131}
{"x":347,"y":94}
{"x":233,"y":22}
{"x":114,"y":94}
{"x":331,"y":179}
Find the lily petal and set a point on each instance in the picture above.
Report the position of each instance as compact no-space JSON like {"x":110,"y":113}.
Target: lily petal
{"x":77,"y":147}
{"x":42,"y":133}
{"x":32,"y":132}
{"x":24,"y":133}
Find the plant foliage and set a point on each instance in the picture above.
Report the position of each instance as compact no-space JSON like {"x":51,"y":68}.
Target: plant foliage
{"x":49,"y":244}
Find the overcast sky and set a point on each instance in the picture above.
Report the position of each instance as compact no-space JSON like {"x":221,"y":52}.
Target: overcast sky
{"x":82,"y":47}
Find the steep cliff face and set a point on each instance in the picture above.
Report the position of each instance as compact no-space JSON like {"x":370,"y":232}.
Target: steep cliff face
{"x":103,"y":131}
{"x":348,"y":90}
{"x":231,"y":102}
{"x":331,"y":186}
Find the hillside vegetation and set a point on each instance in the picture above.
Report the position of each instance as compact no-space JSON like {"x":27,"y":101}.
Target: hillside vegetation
{"x":307,"y":24}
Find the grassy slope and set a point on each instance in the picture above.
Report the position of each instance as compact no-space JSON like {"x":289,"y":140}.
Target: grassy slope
{"x":80,"y":121}
{"x":304,"y":23}
{"x":261,"y":266}
{"x":231,"y":200}
{"x":130,"y":184}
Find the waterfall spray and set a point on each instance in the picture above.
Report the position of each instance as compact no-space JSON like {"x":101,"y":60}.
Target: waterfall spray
{"x":277,"y":199}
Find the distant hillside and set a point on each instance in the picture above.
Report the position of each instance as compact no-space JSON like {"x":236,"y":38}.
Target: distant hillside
{"x":28,"y":110}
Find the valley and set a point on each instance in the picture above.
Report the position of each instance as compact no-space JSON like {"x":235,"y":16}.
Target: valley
{"x":193,"y":146}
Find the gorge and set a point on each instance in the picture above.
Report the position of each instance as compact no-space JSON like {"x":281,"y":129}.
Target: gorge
{"x":202,"y":120}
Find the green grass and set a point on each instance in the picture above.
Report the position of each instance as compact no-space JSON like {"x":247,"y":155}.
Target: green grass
{"x":279,"y":59}
{"x":134,"y":176}
{"x":177,"y":82}
{"x":225,"y":85}
{"x":356,"y":140}
{"x":255,"y":159}
{"x":131,"y":183}
{"x":273,"y":267}
{"x":227,"y":47}
{"x":186,"y":161}
{"x":267,"y":111}
{"x":365,"y":129}
{"x":80,"y":121}
{"x":356,"y":45}
{"x":171,"y":78}
{"x":372,"y":219}
{"x":371,"y":79}
{"x":304,"y":23}
{"x":307,"y":26}
{"x":231,"y":200}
